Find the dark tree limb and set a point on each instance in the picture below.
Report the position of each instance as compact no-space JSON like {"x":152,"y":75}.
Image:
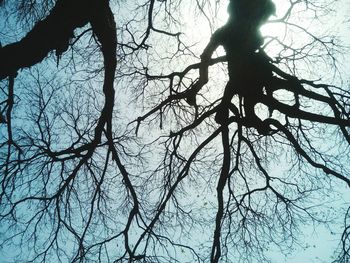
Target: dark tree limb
{"x":224,"y":175}
{"x":52,"y":33}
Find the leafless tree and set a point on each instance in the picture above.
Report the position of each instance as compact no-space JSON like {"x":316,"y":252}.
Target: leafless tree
{"x":120,"y":143}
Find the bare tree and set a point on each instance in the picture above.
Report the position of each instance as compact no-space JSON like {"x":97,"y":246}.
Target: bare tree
{"x":169,"y":155}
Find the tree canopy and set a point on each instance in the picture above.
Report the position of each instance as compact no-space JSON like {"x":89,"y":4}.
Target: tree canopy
{"x":170,"y":130}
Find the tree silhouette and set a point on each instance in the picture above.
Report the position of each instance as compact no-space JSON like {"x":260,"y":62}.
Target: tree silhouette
{"x":153,"y":159}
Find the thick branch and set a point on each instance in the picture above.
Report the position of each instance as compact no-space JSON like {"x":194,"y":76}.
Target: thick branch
{"x":224,"y":175}
{"x":294,"y":112}
{"x":52,"y":33}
